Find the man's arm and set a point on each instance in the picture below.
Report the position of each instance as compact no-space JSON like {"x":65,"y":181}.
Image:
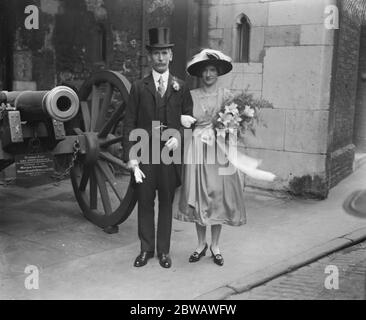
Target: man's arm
{"x":187,"y":107}
{"x":187,"y":110}
{"x":130,"y":120}
{"x":187,"y":104}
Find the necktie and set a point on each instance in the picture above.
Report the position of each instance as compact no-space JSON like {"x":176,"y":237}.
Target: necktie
{"x":161,"y":88}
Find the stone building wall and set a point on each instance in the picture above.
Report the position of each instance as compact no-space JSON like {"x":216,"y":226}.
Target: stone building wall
{"x":291,"y":55}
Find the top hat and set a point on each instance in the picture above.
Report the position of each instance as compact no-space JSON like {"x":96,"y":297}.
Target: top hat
{"x":159,"y":38}
{"x":207,"y":57}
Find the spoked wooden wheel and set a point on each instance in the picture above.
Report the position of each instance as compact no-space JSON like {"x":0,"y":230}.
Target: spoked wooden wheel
{"x":105,"y":197}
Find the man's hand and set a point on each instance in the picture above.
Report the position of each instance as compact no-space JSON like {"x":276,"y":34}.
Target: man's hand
{"x":139,"y":175}
{"x":187,"y":121}
{"x":172,"y":144}
{"x":132,"y":164}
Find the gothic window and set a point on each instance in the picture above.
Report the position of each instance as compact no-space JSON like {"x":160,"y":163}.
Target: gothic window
{"x":242,"y":39}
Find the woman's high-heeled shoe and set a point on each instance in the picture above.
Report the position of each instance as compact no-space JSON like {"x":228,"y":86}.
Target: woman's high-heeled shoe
{"x":217,"y":258}
{"x":196,"y":256}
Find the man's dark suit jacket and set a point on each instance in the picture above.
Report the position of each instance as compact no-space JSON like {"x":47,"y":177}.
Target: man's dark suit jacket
{"x":141,"y":109}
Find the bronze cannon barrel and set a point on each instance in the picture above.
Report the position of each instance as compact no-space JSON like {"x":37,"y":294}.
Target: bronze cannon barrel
{"x":60,"y":103}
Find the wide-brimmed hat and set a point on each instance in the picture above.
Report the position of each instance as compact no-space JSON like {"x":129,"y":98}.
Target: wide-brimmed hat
{"x":209,"y":57}
{"x":159,"y":38}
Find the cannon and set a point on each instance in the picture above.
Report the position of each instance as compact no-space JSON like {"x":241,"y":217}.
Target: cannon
{"x":32,"y":119}
{"x":60,"y":103}
{"x":86,"y":129}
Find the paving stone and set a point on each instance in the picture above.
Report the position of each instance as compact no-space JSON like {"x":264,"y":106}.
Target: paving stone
{"x":307,"y":283}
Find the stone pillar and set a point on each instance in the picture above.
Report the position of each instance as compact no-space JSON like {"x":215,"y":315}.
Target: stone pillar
{"x":179,"y":29}
{"x":203,"y":22}
{"x":22,"y":74}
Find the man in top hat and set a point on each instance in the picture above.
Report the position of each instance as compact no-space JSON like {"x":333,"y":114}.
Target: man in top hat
{"x":161,"y":98}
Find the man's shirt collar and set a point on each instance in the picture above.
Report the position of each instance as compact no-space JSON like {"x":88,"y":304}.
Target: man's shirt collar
{"x":157,"y":75}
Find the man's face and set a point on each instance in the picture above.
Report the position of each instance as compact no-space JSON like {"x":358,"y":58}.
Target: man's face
{"x":160,"y":59}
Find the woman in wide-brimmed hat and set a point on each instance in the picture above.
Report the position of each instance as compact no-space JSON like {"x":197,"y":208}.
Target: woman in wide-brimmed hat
{"x":208,"y":198}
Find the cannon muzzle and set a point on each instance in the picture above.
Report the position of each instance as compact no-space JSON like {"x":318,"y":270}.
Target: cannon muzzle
{"x":60,"y":103}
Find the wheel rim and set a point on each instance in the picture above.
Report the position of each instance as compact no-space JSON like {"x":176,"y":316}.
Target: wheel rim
{"x":104,"y":198}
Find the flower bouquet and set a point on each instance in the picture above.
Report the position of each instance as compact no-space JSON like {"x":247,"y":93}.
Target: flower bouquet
{"x":239,"y":114}
{"x":236,"y":116}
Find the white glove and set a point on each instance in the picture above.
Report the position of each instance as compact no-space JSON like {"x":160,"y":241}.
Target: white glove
{"x":187,"y":121}
{"x":132,"y":164}
{"x":139,"y":175}
{"x":172,"y":144}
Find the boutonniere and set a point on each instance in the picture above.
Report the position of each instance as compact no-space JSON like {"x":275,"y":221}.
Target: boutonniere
{"x":175,"y":84}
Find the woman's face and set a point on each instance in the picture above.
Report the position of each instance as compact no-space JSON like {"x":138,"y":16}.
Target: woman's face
{"x":209,"y":75}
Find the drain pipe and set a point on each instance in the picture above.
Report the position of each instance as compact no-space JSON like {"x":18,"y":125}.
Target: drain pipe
{"x":143,"y":39}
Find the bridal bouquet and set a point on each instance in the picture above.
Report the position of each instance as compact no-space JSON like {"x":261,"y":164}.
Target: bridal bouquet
{"x":236,"y":116}
{"x":239,"y":114}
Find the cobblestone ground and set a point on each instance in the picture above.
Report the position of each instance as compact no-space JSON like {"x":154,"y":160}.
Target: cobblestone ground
{"x":308,"y":283}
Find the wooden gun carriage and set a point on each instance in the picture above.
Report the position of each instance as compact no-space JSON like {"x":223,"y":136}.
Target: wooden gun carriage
{"x":84,"y":128}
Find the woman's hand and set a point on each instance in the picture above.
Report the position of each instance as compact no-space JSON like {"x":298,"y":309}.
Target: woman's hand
{"x":208,"y":136}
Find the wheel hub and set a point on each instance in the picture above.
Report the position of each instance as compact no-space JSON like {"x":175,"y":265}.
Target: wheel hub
{"x":92,"y":148}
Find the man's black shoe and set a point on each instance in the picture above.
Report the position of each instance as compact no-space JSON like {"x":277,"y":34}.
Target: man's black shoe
{"x":142,"y":258}
{"x":165,"y":261}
